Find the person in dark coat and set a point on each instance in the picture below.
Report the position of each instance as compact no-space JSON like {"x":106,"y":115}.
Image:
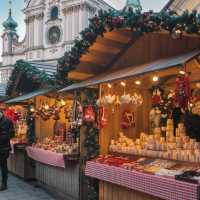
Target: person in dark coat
{"x":6,"y":133}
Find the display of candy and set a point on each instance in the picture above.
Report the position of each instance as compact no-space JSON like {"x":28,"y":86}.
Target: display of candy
{"x":56,"y":144}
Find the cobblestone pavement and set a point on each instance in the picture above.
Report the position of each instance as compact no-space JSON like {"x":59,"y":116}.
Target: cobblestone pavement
{"x":20,"y":190}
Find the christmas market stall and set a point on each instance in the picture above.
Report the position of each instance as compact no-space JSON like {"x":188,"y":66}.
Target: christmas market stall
{"x":56,"y":149}
{"x":25,"y":83}
{"x":53,"y":133}
{"x":141,"y":104}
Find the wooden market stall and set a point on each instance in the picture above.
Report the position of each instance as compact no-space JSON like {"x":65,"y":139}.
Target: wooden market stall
{"x":61,"y":178}
{"x":54,"y":154}
{"x":123,"y":69}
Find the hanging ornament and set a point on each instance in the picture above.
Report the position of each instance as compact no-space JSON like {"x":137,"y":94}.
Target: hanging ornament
{"x":157,"y":96}
{"x":128,"y":120}
{"x":102,"y":118}
{"x":183,"y":91}
{"x":137,"y":99}
{"x":89,"y":115}
{"x":79,"y":114}
{"x":109,"y":99}
{"x":125,"y":99}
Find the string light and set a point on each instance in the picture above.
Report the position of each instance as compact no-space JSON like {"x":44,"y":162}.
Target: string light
{"x":138,"y":82}
{"x":123,"y":84}
{"x":155,"y":78}
{"x":109,"y":86}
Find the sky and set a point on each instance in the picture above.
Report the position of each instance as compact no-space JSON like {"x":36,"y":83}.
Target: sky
{"x":18,"y":5}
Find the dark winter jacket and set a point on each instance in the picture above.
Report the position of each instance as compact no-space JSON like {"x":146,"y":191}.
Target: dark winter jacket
{"x":6,"y":133}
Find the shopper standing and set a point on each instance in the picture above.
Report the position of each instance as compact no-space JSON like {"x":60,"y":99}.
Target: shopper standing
{"x":6,"y":133}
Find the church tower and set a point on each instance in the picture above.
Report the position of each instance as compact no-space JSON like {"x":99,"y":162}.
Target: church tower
{"x":9,"y":36}
{"x":134,"y":4}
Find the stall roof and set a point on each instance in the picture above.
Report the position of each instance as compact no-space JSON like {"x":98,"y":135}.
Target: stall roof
{"x":133,"y":71}
{"x":2,"y":89}
{"x":49,"y":68}
{"x":29,"y":95}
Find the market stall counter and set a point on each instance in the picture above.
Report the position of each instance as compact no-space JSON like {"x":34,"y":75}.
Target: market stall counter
{"x":20,"y":164}
{"x":55,"y":169}
{"x":144,"y":175}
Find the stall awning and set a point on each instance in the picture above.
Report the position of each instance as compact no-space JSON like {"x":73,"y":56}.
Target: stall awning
{"x":135,"y":71}
{"x":29,"y":96}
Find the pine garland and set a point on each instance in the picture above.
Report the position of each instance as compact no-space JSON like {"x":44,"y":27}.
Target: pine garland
{"x":139,"y":23}
{"x":92,"y":143}
{"x":31,"y":73}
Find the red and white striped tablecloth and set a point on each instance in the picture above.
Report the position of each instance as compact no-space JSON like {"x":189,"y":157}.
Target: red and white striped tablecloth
{"x":162,"y":187}
{"x":46,"y":157}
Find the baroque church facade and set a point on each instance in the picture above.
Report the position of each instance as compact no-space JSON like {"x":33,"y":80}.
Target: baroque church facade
{"x":51,"y":27}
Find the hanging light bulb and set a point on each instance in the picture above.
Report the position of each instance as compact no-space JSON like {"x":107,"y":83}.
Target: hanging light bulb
{"x":138,"y":82}
{"x":182,"y":72}
{"x":46,"y":107}
{"x":32,"y":109}
{"x":63,"y":103}
{"x":109,"y":86}
{"x":123,"y":84}
{"x":155,"y":78}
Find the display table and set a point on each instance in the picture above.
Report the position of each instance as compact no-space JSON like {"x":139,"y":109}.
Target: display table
{"x":46,"y":157}
{"x":20,"y":164}
{"x":60,"y":179}
{"x":160,"y":187}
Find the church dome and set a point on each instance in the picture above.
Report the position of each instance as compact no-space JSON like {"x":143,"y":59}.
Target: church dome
{"x":10,"y":23}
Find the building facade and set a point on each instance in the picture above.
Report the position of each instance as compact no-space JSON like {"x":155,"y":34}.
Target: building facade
{"x":181,"y":5}
{"x":51,"y":27}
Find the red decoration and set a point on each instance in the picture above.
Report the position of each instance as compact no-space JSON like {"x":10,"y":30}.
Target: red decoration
{"x":11,"y":114}
{"x":156,"y":97}
{"x":183,"y":91}
{"x":89,"y":115}
{"x":128,"y":120}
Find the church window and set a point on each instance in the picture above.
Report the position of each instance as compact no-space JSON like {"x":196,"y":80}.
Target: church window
{"x":54,"y":13}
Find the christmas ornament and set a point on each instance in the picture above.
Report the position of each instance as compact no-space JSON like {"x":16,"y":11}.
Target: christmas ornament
{"x":79,"y":114}
{"x":12,"y":115}
{"x":137,"y":99}
{"x":157,"y":96}
{"x":89,"y":115}
{"x":128,"y":119}
{"x":183,"y":91}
